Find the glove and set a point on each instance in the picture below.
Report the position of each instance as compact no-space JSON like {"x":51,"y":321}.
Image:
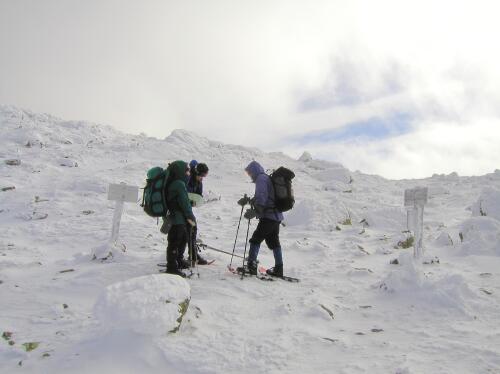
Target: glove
{"x":250,"y":213}
{"x":191,"y":222}
{"x":244,"y":200}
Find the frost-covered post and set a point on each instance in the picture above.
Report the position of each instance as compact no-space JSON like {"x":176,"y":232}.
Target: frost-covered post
{"x":415,"y":200}
{"x":121,"y":193}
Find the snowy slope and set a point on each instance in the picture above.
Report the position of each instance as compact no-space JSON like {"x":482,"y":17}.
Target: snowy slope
{"x":353,"y":311}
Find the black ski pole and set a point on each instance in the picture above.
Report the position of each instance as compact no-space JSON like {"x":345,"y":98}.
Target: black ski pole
{"x":193,"y":256}
{"x":246,"y":242}
{"x":236,"y":238}
{"x":218,"y":250}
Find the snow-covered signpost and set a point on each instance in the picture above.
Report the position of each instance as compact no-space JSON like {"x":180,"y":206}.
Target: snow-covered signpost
{"x":415,"y":200}
{"x":120,"y":193}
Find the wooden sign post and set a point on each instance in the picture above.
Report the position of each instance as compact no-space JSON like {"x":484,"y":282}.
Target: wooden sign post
{"x":120,"y":193}
{"x":415,"y":200}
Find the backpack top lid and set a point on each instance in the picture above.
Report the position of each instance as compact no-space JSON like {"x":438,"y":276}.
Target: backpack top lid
{"x":283,"y":172}
{"x":154,"y":172}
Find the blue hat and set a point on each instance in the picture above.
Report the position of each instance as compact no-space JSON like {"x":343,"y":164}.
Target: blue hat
{"x":193,"y":163}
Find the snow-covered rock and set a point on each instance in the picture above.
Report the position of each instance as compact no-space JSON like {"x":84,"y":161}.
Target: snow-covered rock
{"x":188,"y":140}
{"x":444,"y":240}
{"x":305,"y":157}
{"x":151,"y":304}
{"x":408,"y":281}
{"x":480,"y":236}
{"x":488,"y":203}
{"x":68,"y":162}
{"x":339,"y":174}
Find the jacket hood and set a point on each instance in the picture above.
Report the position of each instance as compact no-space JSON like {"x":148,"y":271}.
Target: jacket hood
{"x":254,"y":169}
{"x":178,"y":170}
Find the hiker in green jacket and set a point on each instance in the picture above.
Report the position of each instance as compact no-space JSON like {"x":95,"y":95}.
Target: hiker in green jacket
{"x":181,"y":215}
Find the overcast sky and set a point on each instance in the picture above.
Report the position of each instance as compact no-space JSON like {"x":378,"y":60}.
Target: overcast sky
{"x":391,"y":87}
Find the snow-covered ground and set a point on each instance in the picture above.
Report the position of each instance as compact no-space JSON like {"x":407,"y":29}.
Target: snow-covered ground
{"x":352,"y":312}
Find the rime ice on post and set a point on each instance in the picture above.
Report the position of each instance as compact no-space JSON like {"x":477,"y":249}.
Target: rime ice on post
{"x":121,"y":193}
{"x":415,"y":200}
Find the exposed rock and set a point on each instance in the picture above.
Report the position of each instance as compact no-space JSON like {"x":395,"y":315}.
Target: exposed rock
{"x":330,"y":313}
{"x":13,"y":162}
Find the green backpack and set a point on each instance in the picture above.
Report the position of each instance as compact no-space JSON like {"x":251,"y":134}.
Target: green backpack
{"x":154,"y":197}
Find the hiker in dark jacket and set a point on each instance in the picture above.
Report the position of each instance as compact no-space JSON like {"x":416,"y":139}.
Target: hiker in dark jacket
{"x":198,"y":171}
{"x":195,"y":181}
{"x":270,"y":218}
{"x":181,"y":215}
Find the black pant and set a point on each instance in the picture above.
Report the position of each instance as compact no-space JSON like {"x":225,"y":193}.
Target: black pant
{"x":192,"y":232}
{"x":268,"y":230}
{"x":177,"y":240}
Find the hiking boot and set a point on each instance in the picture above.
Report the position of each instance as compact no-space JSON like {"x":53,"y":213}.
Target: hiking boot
{"x":276,"y":271}
{"x":176,"y":272}
{"x":249,"y":268}
{"x":202,"y":261}
{"x":183,"y":263}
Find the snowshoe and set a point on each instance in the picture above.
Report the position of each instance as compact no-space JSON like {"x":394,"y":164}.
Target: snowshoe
{"x":202,"y":261}
{"x":265,"y":272}
{"x":250,"y":268}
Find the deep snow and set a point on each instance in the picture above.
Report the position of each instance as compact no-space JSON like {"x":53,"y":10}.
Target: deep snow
{"x":353,"y":311}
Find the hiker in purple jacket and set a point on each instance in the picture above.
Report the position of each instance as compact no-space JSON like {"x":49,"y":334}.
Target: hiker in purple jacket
{"x":270,"y":218}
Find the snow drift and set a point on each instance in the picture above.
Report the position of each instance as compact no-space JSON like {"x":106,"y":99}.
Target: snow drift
{"x":152,"y":304}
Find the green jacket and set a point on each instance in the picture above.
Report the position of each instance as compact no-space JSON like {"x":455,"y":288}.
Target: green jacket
{"x":177,"y":196}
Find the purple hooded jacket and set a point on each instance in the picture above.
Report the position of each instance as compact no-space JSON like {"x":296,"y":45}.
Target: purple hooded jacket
{"x":264,"y":192}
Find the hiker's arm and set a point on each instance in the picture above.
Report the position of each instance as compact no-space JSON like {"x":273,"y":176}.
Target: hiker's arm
{"x":185,"y":205}
{"x":261,"y":194}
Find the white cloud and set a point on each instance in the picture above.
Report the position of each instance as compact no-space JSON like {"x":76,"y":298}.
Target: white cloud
{"x":436,"y":147}
{"x":244,"y":72}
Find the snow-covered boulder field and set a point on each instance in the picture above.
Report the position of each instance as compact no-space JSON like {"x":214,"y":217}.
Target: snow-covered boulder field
{"x":72,"y":302}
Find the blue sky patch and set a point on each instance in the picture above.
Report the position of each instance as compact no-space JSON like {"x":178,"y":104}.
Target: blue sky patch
{"x":371,"y":129}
